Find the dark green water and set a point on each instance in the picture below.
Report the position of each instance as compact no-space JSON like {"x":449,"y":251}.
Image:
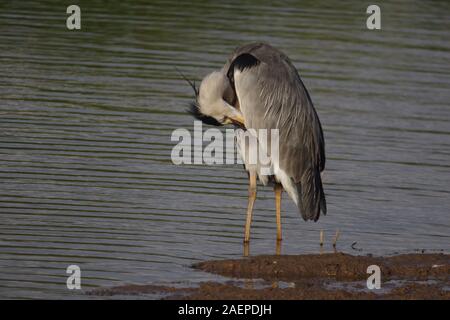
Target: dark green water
{"x":86,"y":118}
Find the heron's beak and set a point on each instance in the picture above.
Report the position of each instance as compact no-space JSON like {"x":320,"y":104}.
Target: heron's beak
{"x":236,"y":119}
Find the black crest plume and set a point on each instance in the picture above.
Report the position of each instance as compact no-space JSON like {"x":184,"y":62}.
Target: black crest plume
{"x":193,"y":106}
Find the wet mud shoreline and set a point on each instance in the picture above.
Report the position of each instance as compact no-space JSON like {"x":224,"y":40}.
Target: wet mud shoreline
{"x":314,"y":276}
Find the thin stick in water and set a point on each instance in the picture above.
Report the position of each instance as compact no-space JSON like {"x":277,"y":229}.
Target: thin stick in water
{"x":336,"y":237}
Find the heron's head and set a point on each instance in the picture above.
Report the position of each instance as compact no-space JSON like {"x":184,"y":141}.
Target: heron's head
{"x":214,"y":101}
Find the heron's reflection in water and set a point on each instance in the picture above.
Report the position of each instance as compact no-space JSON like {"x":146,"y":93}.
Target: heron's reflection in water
{"x":246,"y":249}
{"x":278,"y":248}
{"x":250,"y":283}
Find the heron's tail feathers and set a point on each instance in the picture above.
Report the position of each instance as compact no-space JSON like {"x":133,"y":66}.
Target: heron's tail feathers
{"x":311,"y":195}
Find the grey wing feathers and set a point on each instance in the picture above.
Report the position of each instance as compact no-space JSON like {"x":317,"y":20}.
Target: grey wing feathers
{"x":272,"y":96}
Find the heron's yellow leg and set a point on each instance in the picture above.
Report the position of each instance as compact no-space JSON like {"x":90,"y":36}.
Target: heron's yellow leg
{"x":278,"y":190}
{"x":251,"y":201}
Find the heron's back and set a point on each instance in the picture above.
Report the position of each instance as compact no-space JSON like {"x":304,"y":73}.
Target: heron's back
{"x":272,"y":96}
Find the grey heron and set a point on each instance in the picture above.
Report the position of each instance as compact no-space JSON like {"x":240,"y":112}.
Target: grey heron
{"x":260,"y":88}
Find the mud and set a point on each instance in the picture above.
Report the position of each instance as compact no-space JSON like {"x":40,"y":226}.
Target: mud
{"x":317,"y":276}
{"x":335,"y":265}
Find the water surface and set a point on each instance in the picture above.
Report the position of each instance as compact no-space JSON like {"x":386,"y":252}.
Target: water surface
{"x":86,"y":119}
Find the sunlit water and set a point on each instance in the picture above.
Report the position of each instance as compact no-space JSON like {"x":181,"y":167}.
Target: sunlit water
{"x":86,"y":119}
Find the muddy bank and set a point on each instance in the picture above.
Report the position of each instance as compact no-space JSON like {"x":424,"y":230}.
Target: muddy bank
{"x":335,"y":265}
{"x":317,"y":276}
